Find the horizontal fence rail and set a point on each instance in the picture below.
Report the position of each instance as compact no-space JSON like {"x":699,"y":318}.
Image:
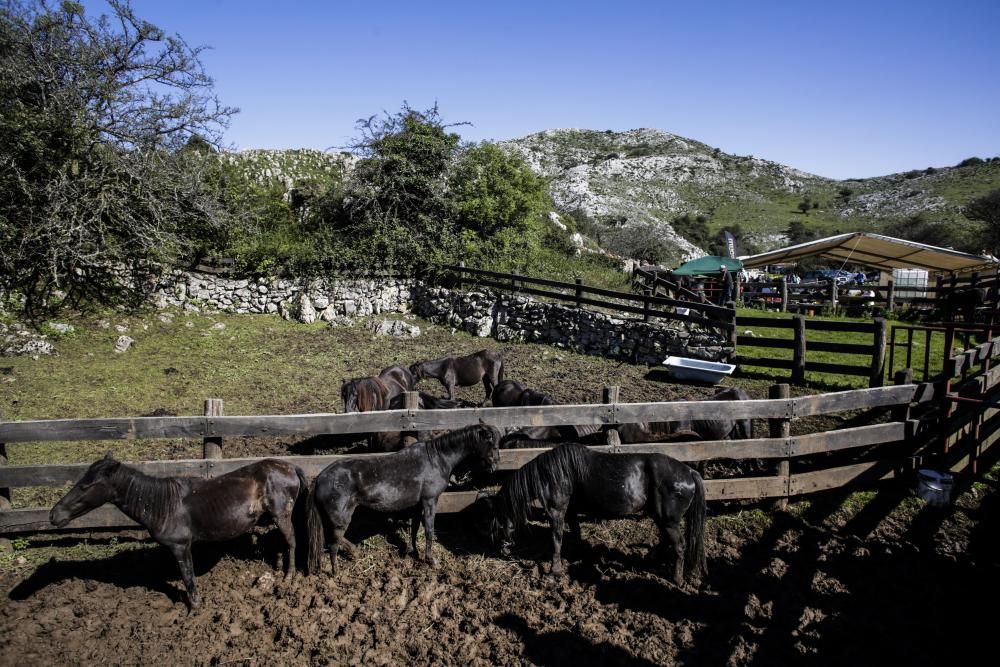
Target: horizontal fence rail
{"x":647,"y":305}
{"x":420,"y":420}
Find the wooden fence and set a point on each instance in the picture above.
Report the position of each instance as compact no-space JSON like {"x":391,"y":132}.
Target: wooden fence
{"x":799,"y":364}
{"x":212,"y":428}
{"x":647,"y":305}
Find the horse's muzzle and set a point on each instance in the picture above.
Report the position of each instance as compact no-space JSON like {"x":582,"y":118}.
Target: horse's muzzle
{"x":59,"y":519}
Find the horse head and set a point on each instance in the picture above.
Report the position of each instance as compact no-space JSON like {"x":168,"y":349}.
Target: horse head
{"x":93,"y":490}
{"x":487,"y":444}
{"x":417,"y":371}
{"x":349,"y":393}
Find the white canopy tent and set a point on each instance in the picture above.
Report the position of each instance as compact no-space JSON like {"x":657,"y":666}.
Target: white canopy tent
{"x":877,"y":251}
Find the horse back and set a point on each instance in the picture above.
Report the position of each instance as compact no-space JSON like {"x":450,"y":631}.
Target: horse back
{"x":229,"y":505}
{"x":614,"y":485}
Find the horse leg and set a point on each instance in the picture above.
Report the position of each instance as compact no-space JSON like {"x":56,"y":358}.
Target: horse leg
{"x":411,"y":548}
{"x":430,"y":508}
{"x":556,"y":520}
{"x":670,"y":534}
{"x":340,"y":543}
{"x":284,"y":522}
{"x":573,"y":519}
{"x":182,"y":552}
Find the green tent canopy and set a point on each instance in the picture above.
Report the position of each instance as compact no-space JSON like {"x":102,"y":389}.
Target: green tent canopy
{"x":708,"y":266}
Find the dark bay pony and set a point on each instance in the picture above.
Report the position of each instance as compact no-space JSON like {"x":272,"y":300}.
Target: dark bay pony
{"x":374,"y":393}
{"x":511,"y":393}
{"x":412,"y":478}
{"x":573,"y":479}
{"x":707,"y":429}
{"x":485,"y":366}
{"x":393,"y":441}
{"x":178,"y":511}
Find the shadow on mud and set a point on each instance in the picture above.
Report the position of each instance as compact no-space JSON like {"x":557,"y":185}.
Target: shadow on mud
{"x":563,"y":647}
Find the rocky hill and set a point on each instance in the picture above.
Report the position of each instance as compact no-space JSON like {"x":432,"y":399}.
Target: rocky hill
{"x":650,"y":177}
{"x":646,"y":179}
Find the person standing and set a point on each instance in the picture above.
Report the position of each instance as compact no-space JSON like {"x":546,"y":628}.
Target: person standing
{"x":726,"y":280}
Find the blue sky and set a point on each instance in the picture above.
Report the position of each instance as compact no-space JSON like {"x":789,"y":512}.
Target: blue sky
{"x":848,"y":89}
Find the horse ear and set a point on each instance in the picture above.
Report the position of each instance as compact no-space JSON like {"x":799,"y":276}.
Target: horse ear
{"x":108,"y":456}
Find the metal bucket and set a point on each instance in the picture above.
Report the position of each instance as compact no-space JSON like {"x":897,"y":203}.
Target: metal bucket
{"x":934,"y":487}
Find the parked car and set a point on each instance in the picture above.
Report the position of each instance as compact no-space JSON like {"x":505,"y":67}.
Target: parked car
{"x":826,"y":275}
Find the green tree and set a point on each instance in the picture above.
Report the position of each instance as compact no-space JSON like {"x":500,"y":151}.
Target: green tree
{"x":491,"y":190}
{"x":987,"y":209}
{"x":95,"y":115}
{"x":394,"y":206}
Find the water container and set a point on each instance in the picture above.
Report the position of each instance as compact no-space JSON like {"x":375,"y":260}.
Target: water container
{"x":934,"y":487}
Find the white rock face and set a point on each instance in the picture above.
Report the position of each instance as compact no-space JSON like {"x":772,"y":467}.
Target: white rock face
{"x":123,"y":344}
{"x":394,"y":328}
{"x":307,"y":313}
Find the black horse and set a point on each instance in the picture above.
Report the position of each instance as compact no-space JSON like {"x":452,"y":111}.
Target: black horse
{"x":393,"y":441}
{"x":707,"y":429}
{"x":485,"y":366}
{"x":375,"y":393}
{"x":572,"y":479}
{"x":178,"y":511}
{"x":511,"y":393}
{"x":417,"y":475}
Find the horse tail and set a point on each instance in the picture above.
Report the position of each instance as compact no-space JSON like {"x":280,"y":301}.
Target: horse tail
{"x":694,"y":538}
{"x":314,"y":531}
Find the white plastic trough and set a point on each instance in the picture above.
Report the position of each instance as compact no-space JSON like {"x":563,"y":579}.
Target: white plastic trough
{"x":682,"y":368}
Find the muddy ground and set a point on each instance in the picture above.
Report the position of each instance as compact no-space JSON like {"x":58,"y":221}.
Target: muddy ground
{"x":840,"y":579}
{"x":880,"y":579}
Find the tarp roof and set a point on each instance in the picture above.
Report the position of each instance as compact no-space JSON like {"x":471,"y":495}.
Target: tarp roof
{"x":875,"y":250}
{"x":707,"y":266}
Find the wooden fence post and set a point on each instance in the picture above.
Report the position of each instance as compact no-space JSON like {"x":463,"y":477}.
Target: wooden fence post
{"x":609,"y":396}
{"x":780,"y":427}
{"x":461,"y":272}
{"x":4,"y":493}
{"x":734,"y":333}
{"x":784,"y":297}
{"x":212,"y":445}
{"x":798,"y":349}
{"x":901,"y":413}
{"x":833,"y":296}
{"x":579,"y":292}
{"x":646,"y":293}
{"x":411,"y":401}
{"x":877,"y":377}
{"x":890,"y":298}
{"x":513,"y":283}
{"x":5,"y":544}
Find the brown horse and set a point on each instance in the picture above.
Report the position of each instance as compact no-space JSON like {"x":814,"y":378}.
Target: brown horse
{"x":485,"y":366}
{"x":178,"y":511}
{"x":374,"y":393}
{"x":511,"y":393}
{"x":393,"y":441}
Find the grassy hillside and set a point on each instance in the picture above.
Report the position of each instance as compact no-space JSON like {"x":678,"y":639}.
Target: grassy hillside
{"x":650,"y":178}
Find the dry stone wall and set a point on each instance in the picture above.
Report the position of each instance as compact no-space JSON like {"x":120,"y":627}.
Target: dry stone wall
{"x":481,"y":313}
{"x":520,"y":318}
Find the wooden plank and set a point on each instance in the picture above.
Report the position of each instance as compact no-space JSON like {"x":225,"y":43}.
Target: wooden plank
{"x":629,"y":413}
{"x":842,"y":369}
{"x":835,"y":478}
{"x":848,"y":438}
{"x":854,"y":399}
{"x":748,"y":488}
{"x":510,"y":459}
{"x":753,"y":341}
{"x":833,"y":325}
{"x":765,"y":362}
{"x":776,"y":323}
{"x":842,"y":348}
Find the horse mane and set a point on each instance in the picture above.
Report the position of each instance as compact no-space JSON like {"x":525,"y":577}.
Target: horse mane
{"x":151,"y":500}
{"x":371,"y":392}
{"x":454,"y":439}
{"x":568,"y":462}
